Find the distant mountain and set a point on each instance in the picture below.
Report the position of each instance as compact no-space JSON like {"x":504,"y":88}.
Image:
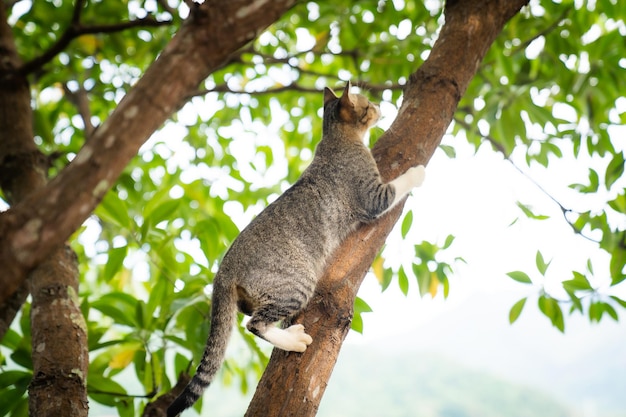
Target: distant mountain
{"x":371,"y":383}
{"x":367,"y":383}
{"x":584,"y":368}
{"x":469,"y":362}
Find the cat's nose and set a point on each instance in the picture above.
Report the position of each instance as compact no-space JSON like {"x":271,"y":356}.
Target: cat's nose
{"x":377,"y":110}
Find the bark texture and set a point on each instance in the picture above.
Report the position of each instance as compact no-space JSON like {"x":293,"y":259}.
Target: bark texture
{"x":293,"y":384}
{"x":59,"y":337}
{"x":40,"y":223}
{"x":59,"y":340}
{"x":22,"y":166}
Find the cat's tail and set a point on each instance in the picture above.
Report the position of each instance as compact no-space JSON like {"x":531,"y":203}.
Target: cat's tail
{"x":223,"y":313}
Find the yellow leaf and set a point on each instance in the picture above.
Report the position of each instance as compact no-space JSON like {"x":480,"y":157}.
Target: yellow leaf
{"x":433,"y":285}
{"x":377,"y":268}
{"x":321,"y":41}
{"x":89,"y":43}
{"x":124,"y":357}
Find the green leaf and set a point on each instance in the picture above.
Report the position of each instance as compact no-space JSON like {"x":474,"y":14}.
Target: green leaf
{"x":446,"y":286}
{"x":551,"y":309}
{"x":361,"y":306}
{"x":114,"y":210}
{"x":12,"y":400}
{"x":610,"y":311}
{"x":403,"y":281}
{"x":529,"y":213}
{"x":619,"y":203}
{"x":618,"y":261}
{"x":406,"y":223}
{"x":520,"y":276}
{"x":594,"y":181}
{"x":542,"y":265}
{"x":100,"y":389}
{"x":16,"y":378}
{"x":423,"y":275}
{"x":357,"y":323}
{"x":595,"y":311}
{"x":577,"y":305}
{"x":448,"y":242}
{"x":578,"y":283}
{"x":121,"y":307}
{"x":115,"y":262}
{"x":163,"y":211}
{"x":448,"y":150}
{"x":615,"y":170}
{"x":516,"y":310}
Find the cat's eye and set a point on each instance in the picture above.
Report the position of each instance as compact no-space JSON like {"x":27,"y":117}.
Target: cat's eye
{"x":365,"y":112}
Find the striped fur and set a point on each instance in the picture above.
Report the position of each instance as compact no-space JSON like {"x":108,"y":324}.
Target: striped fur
{"x":271,"y":269}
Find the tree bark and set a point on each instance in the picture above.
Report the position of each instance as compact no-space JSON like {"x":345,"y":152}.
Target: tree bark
{"x":40,"y":223}
{"x":59,"y":337}
{"x":22,"y":166}
{"x":293,"y":384}
{"x":59,"y":340}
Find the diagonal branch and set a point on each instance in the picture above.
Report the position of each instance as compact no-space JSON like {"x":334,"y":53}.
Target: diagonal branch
{"x":430,"y":100}
{"x":40,"y":223}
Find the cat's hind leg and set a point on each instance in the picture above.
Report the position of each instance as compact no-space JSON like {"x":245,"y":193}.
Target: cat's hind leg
{"x":263,"y":325}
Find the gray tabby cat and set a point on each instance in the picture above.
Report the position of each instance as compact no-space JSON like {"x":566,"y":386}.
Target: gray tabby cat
{"x":271,"y":270}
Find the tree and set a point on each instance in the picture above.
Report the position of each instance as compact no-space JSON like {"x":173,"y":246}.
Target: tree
{"x":91,"y":94}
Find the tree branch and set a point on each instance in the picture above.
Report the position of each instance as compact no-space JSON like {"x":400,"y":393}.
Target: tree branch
{"x":294,"y":86}
{"x":545,"y":31}
{"x":75,"y":30}
{"x":430,"y":100}
{"x":81,"y":101}
{"x":33,"y":228}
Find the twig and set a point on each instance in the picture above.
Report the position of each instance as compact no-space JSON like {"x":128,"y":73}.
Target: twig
{"x":543,"y":32}
{"x":76,"y":30}
{"x":507,"y":157}
{"x":80,"y":100}
{"x":164,"y":4}
{"x":294,"y":86}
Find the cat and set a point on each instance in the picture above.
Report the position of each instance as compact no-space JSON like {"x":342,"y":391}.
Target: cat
{"x":271,"y":269}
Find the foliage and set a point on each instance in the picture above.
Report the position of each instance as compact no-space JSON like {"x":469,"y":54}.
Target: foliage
{"x":548,"y":89}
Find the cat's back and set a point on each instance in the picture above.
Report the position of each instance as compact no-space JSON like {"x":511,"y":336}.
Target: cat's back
{"x":303,"y":224}
{"x":310,"y":219}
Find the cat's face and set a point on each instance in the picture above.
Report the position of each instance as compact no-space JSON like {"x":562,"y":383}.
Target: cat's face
{"x":366,"y":112}
{"x":353,"y":110}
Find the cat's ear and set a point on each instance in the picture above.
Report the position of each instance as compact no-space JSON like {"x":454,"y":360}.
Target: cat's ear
{"x":346,"y":89}
{"x":329,"y":95}
{"x":346,"y":100}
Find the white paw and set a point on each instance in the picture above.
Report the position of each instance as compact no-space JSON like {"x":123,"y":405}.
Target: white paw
{"x":300,"y":340}
{"x":416,"y":174}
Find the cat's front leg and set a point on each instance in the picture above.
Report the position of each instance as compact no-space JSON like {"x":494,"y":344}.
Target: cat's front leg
{"x":413,"y":177}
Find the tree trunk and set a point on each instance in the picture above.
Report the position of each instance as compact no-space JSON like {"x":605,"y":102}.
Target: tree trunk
{"x":22,"y":166}
{"x":293,"y":384}
{"x":59,"y":340}
{"x":59,"y":337}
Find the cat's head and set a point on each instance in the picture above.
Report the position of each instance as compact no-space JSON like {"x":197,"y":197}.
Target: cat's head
{"x":349,"y":110}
